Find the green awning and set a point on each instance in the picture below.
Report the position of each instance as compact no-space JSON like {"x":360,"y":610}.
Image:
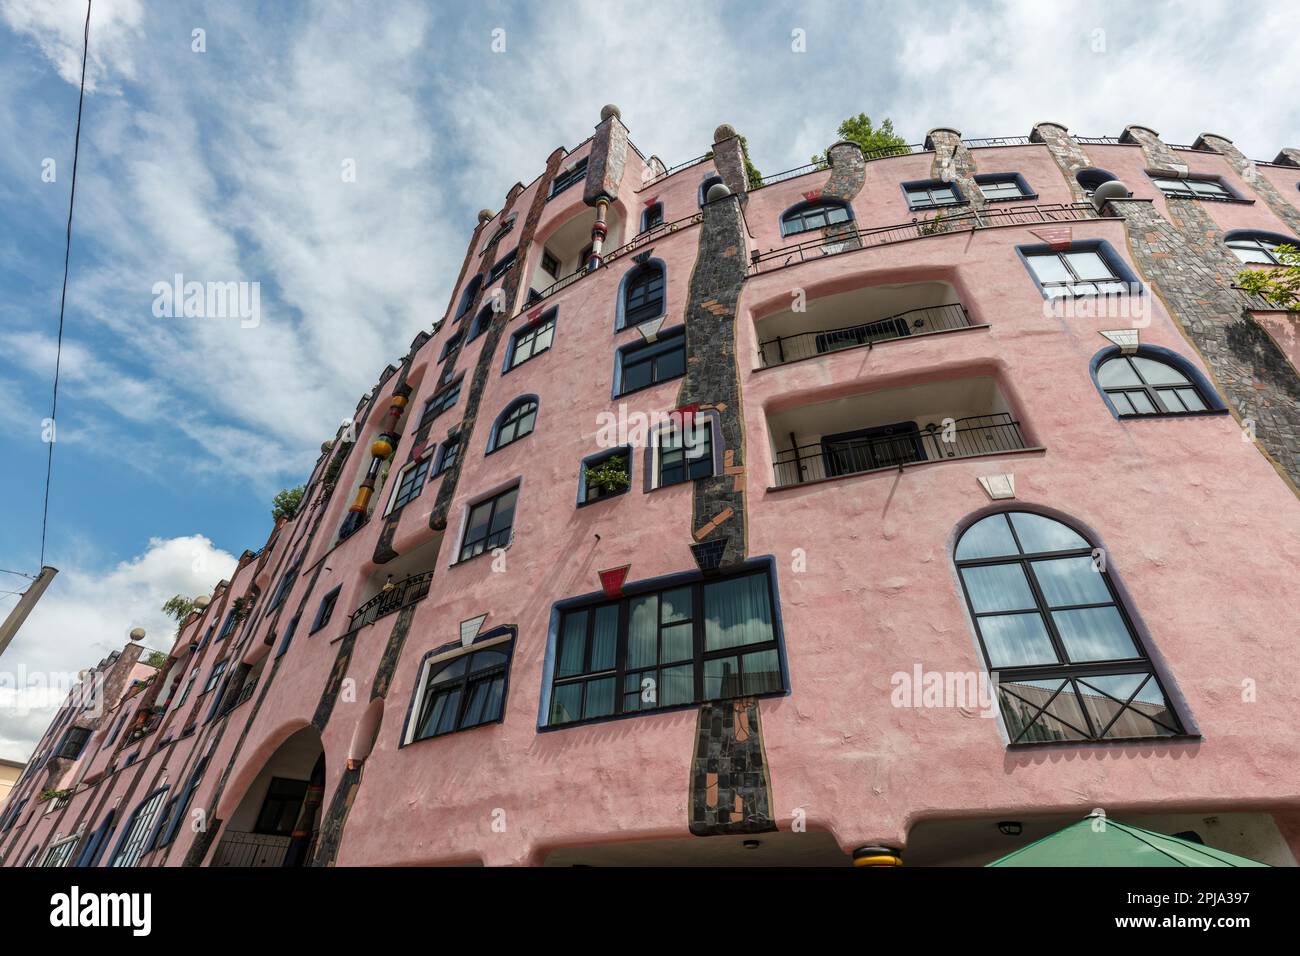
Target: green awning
{"x":1105,"y":842}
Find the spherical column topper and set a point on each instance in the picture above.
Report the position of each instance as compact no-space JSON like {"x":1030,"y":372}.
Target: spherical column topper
{"x":202,"y":601}
{"x":724,"y":132}
{"x":609,"y":110}
{"x":137,"y":634}
{"x":485,"y":215}
{"x":717,"y":191}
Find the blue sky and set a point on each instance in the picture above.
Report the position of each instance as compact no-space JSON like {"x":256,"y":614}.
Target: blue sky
{"x":225,"y":165}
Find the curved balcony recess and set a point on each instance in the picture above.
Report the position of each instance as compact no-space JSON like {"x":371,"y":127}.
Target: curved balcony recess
{"x":964,"y":418}
{"x":857,"y":318}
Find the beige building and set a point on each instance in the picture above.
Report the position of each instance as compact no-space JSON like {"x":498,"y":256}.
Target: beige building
{"x":10,"y":771}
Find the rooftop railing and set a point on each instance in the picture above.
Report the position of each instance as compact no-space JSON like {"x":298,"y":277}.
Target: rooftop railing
{"x":391,"y":599}
{"x":791,"y":348}
{"x":820,"y":246}
{"x":677,"y":169}
{"x":964,"y":438}
{"x":1099,"y":140}
{"x":997,"y":141}
{"x":793,"y":173}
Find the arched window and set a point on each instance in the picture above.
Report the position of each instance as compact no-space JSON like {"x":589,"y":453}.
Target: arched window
{"x":515,"y":422}
{"x":643,"y":295}
{"x":468,"y":690}
{"x":1142,"y":385}
{"x":467,"y":297}
{"x":480,"y":323}
{"x":1092,"y":177}
{"x":1258,"y":247}
{"x":814,"y":215}
{"x":1069,"y":664}
{"x":708,"y":184}
{"x":139,"y":831}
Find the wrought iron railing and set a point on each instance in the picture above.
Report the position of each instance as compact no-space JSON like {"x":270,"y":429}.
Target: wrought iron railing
{"x":791,"y":348}
{"x":794,"y":173}
{"x":1099,"y":140}
{"x":847,"y":241}
{"x":635,"y":243}
{"x":997,"y":141}
{"x":678,"y":168}
{"x":955,"y":438}
{"x":264,"y":850}
{"x":885,"y":152}
{"x":391,"y":599}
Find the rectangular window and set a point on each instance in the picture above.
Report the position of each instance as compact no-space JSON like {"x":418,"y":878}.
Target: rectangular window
{"x":502,"y":266}
{"x":489,"y":524}
{"x":73,"y":741}
{"x":931,"y":195}
{"x":684,"y":453}
{"x":288,"y":636}
{"x":654,"y":216}
{"x":131,"y":847}
{"x":566,"y":178}
{"x":189,"y":684}
{"x":533,"y":340}
{"x":644,"y":365}
{"x":1075,"y":273}
{"x":448,"y":454}
{"x":218,"y":669}
{"x":452,"y":347}
{"x":280,"y":808}
{"x":410,"y":485}
{"x":442,"y":400}
{"x":1192,"y":188}
{"x":229,"y":626}
{"x":606,"y":476}
{"x":550,"y":264}
{"x":326,"y":610}
{"x":711,"y":640}
{"x":1001,"y":187}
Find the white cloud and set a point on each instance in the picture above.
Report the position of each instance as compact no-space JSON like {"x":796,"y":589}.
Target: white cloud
{"x":86,"y":614}
{"x":58,"y":26}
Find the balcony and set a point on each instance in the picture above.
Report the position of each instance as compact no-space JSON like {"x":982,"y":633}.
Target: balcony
{"x":250,"y":849}
{"x":964,"y":418}
{"x":391,"y":599}
{"x":935,"y":225}
{"x":859,"y":318}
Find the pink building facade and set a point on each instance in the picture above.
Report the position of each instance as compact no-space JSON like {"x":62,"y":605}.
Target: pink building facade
{"x":898,"y":507}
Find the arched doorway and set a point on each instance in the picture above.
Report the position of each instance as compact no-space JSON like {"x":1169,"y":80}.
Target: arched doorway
{"x":277,"y":820}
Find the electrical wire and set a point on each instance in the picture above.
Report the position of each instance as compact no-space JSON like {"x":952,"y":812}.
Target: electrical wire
{"x":63,"y":298}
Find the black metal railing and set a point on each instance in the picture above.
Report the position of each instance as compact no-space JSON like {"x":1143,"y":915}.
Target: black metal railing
{"x":997,"y":141}
{"x":885,"y":152}
{"x":238,"y":848}
{"x":942,"y":224}
{"x":391,"y":599}
{"x":951,"y":438}
{"x":790,"y":348}
{"x":794,"y":173}
{"x":677,"y":169}
{"x":1099,"y":140}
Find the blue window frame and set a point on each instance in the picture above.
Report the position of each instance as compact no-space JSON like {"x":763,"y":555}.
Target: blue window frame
{"x":1091,"y":267}
{"x":229,"y":626}
{"x":652,"y":216}
{"x":683,"y":452}
{"x":442,"y":400}
{"x":287,"y":639}
{"x":467,"y":297}
{"x":1194,"y":187}
{"x":1252,"y":246}
{"x":932,"y":194}
{"x":1001,"y":187}
{"x":461,"y":691}
{"x":1153,"y":381}
{"x":1092,"y":178}
{"x":410,"y":483}
{"x":566,"y":178}
{"x":480,"y":323}
{"x":94,"y":847}
{"x":590,"y":491}
{"x":515,"y":421}
{"x":139,"y":830}
{"x":642,"y":295}
{"x":643,"y":365}
{"x":451,"y":347}
{"x":807,"y":216}
{"x":447,"y":454}
{"x":532,"y":340}
{"x":177,"y":807}
{"x":326,"y":610}
{"x":502,"y":265}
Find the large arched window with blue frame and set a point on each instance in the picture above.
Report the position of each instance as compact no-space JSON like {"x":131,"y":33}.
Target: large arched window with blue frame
{"x":1259,"y":248}
{"x":1068,"y":661}
{"x":516,"y":421}
{"x":807,"y":216}
{"x":140,"y":830}
{"x":1153,"y":382}
{"x":643,"y":295}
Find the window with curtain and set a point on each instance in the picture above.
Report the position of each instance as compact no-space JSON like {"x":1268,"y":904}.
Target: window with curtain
{"x":808,"y":216}
{"x":515,"y":422}
{"x":1192,"y":188}
{"x":996,"y":186}
{"x":1138,"y":385}
{"x":468,"y":690}
{"x":713,"y":639}
{"x":138,"y":831}
{"x":532,"y":340}
{"x":1069,"y":664}
{"x":489,"y":524}
{"x":643,"y":295}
